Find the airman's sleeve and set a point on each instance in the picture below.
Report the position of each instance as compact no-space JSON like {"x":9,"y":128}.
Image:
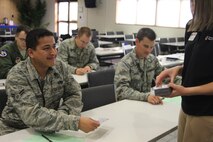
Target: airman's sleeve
{"x":93,"y":60}
{"x":5,"y":63}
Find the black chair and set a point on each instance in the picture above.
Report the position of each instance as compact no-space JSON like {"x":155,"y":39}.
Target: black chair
{"x":181,"y":49}
{"x":128,"y":37}
{"x":3,"y":100}
{"x":172,"y":49}
{"x":65,"y":36}
{"x":119,"y":33}
{"x":156,"y":50}
{"x":74,"y":32}
{"x":164,"y":49}
{"x":101,"y":77}
{"x":180,"y":39}
{"x":94,"y":39}
{"x":97,"y":96}
{"x":110,"y":33}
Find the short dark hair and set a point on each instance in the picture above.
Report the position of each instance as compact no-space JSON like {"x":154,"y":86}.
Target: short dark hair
{"x":84,"y":30}
{"x":34,"y":35}
{"x":146,"y":32}
{"x":21,"y":28}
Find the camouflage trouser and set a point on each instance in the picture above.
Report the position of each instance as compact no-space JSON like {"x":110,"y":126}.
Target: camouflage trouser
{"x":4,"y":129}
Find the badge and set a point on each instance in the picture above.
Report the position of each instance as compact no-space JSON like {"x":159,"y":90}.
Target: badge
{"x":192,"y":36}
{"x":3,"y":53}
{"x":18,"y":59}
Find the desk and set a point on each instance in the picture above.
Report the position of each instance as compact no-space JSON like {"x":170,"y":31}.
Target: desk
{"x":7,"y":36}
{"x":81,"y":79}
{"x":128,"y":121}
{"x":113,"y":38}
{"x":109,"y":53}
{"x":178,"y":59}
{"x":100,"y":43}
{"x":110,"y":36}
{"x":174,"y":44}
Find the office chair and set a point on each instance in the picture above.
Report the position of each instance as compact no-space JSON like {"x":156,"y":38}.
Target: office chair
{"x":97,"y":96}
{"x":128,"y":37}
{"x":181,"y":49}
{"x":164,"y":49}
{"x":65,"y":36}
{"x":110,"y":33}
{"x":3,"y":100}
{"x":156,"y":50}
{"x":74,"y":32}
{"x":119,"y":33}
{"x":180,"y":39}
{"x":102,"y":77}
{"x":172,"y":49}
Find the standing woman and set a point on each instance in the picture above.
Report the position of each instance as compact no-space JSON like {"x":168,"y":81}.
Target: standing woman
{"x":196,"y":115}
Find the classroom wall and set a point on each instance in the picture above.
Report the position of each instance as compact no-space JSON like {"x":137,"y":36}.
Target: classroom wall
{"x":7,"y":9}
{"x":50,"y":15}
{"x":102,"y":18}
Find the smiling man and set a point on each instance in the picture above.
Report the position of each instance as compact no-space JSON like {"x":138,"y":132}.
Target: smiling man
{"x":79,"y":52}
{"x":42,"y":93}
{"x":12,"y":53}
{"x":136,"y":71}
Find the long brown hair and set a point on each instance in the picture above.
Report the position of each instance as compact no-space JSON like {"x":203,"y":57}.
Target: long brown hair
{"x":203,"y":16}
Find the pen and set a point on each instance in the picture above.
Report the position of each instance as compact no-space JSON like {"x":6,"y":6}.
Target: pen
{"x":162,"y":98}
{"x":46,"y":138}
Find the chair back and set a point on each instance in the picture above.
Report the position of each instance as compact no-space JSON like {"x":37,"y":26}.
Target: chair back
{"x":119,"y":33}
{"x":164,"y":49}
{"x":128,"y":37}
{"x":172,"y":39}
{"x":101,"y":77}
{"x":97,"y":96}
{"x":65,"y":36}
{"x":110,"y":33}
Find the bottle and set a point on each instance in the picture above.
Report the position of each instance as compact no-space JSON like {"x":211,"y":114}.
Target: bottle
{"x":5,"y":20}
{"x":11,"y":20}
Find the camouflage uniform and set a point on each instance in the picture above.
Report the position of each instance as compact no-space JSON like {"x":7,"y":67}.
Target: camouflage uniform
{"x":77,"y":57}
{"x":9,"y":56}
{"x":50,"y":105}
{"x":133,"y":76}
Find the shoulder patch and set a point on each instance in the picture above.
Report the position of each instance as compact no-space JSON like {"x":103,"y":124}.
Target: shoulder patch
{"x":3,"y":53}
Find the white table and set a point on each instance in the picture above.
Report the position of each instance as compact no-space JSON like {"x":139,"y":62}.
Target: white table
{"x":166,"y":62}
{"x":81,"y":79}
{"x":100,"y":42}
{"x":6,"y":36}
{"x":128,"y":121}
{"x":174,"y":44}
{"x":110,"y":36}
{"x":109,"y":51}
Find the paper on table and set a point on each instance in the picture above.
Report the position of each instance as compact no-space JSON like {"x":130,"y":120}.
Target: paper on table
{"x":53,"y":137}
{"x":102,"y":119}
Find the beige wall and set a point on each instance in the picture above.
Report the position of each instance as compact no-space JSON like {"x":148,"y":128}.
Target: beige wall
{"x":103,"y":19}
{"x":7,"y":9}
